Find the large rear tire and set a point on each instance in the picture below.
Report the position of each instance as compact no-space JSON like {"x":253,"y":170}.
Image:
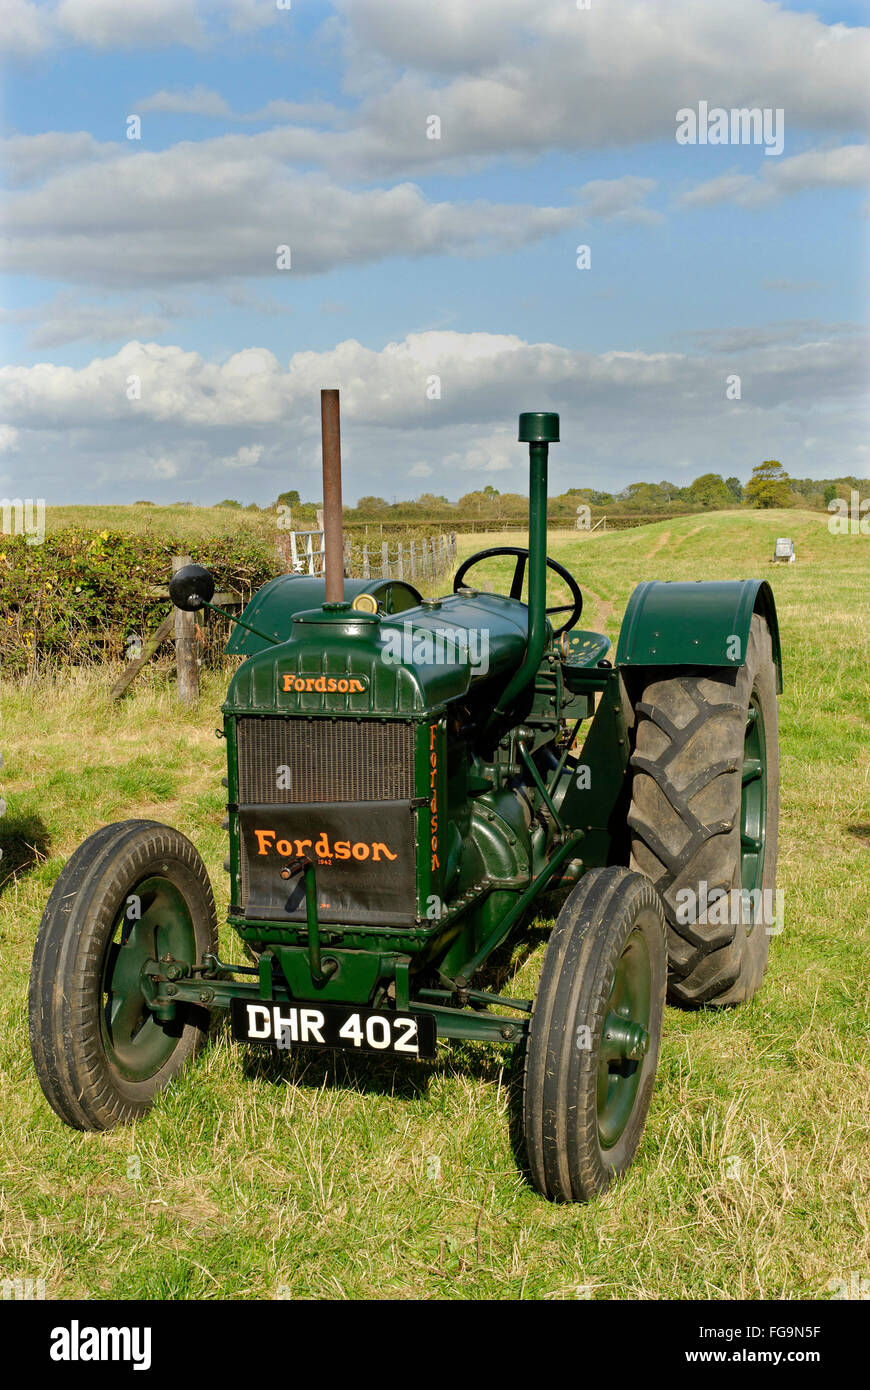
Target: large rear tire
{"x":704,"y":819}
{"x":593,"y":1041}
{"x":131,"y":892}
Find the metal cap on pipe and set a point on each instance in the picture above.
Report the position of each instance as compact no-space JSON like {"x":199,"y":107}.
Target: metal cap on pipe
{"x":539,"y":427}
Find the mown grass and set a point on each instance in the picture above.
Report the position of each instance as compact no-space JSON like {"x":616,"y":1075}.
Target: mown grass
{"x":263,"y":1178}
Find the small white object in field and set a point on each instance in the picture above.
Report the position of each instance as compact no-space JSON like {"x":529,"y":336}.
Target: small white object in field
{"x":784,"y":550}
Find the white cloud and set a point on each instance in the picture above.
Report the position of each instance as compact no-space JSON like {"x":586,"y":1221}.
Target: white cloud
{"x":198,"y":101}
{"x":28,"y":28}
{"x":9,"y":439}
{"x":482,"y":375}
{"x":846,"y":166}
{"x":317,"y":112}
{"x":29,"y":158}
{"x":66,"y":319}
{"x":618,"y":200}
{"x":248,"y":456}
{"x":255,"y":14}
{"x":121,"y":24}
{"x":23,"y":28}
{"x":204,"y":101}
{"x":492,"y":455}
{"x":511,"y":80}
{"x":205,"y":213}
{"x":779,"y":334}
{"x":164,"y":468}
{"x":508,"y":78}
{"x":624,"y":414}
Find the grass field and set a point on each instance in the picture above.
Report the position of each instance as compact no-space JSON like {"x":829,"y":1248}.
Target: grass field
{"x":182,"y":522}
{"x":257,"y":1178}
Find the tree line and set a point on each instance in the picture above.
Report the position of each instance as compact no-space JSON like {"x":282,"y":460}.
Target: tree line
{"x":769,"y":486}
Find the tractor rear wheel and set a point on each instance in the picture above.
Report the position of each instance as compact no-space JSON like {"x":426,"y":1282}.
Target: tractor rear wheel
{"x":132,"y":892}
{"x":704,"y":818}
{"x":593,"y":1041}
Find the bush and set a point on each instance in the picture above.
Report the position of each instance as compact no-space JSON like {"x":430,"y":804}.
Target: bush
{"x":80,"y":598}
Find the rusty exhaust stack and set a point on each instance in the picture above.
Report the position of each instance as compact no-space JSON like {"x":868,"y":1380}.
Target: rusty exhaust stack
{"x":333,"y":533}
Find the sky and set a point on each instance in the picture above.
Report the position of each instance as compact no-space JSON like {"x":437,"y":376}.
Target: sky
{"x":214,"y":208}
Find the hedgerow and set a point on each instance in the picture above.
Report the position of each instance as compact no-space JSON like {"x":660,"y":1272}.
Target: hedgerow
{"x":82,"y":597}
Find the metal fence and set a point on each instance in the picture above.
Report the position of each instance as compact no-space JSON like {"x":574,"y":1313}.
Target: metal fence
{"x":419,"y":557}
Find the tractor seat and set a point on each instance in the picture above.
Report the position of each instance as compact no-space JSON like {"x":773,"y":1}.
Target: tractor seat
{"x":581,"y":648}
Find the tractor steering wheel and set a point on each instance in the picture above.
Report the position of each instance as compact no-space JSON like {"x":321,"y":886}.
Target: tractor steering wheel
{"x":522,"y":557}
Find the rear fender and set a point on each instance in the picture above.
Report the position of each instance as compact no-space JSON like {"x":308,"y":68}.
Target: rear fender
{"x":675,"y":623}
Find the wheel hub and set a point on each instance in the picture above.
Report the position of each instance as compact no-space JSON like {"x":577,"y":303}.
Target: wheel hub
{"x":753,"y":808}
{"x":624,"y":1039}
{"x":136,"y":1042}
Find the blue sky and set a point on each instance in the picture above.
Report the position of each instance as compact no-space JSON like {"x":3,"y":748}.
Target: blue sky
{"x":153,"y":261}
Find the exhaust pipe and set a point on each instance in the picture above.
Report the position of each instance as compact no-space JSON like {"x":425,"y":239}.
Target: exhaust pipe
{"x":333,"y":530}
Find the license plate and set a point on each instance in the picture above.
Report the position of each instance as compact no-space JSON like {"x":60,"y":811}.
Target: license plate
{"x":303,"y":1023}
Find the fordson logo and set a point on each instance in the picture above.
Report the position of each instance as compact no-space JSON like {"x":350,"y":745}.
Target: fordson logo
{"x":325,"y":850}
{"x":326,"y":685}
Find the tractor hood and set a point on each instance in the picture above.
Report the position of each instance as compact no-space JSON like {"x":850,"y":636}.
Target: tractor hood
{"x":337,"y":661}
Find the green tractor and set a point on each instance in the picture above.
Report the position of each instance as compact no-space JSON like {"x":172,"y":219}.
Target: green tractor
{"x":405,"y":778}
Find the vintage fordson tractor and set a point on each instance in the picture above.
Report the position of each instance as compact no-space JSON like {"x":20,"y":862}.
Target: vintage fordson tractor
{"x":396,"y":804}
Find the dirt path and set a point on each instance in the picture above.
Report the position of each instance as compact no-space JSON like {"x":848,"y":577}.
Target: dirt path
{"x":602,"y":608}
{"x":694,"y":531}
{"x":662,"y":540}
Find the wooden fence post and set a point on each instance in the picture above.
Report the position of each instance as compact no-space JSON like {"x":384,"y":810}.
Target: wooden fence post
{"x":385,"y":560}
{"x":166,"y":628}
{"x":413,"y":549}
{"x":400,"y":569}
{"x":367,"y":574}
{"x":186,"y":658}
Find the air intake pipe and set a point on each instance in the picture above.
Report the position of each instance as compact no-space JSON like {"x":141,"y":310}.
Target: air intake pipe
{"x":539,"y":429}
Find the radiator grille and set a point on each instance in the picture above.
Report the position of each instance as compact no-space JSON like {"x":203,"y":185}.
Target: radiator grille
{"x":328,"y":760}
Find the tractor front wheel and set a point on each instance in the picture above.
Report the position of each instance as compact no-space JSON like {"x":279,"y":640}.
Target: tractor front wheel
{"x":594,"y":1037}
{"x":132,"y":892}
